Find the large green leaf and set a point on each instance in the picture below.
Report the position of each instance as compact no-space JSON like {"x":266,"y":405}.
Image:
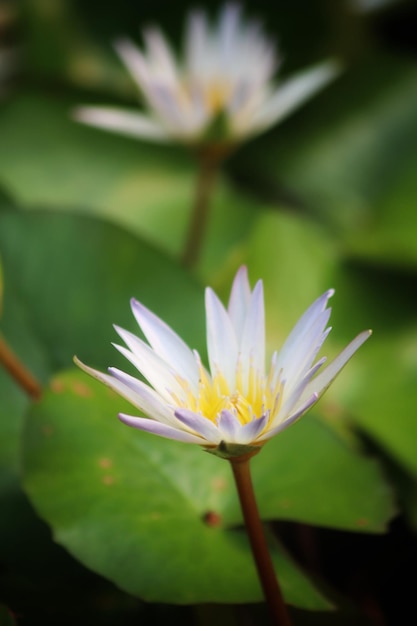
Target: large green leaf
{"x":66,"y":280}
{"x":70,"y":310}
{"x":384,"y":404}
{"x":72,"y":275}
{"x":50,"y":160}
{"x":133,"y":506}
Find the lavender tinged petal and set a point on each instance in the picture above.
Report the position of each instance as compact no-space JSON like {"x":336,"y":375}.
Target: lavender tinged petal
{"x":305,"y":350}
{"x":142,"y":398}
{"x":148,"y":400}
{"x":301,"y":328}
{"x":200,"y":424}
{"x":163,"y":430}
{"x":166,"y":343}
{"x":321,"y":382}
{"x":249,"y":432}
{"x":287,"y":421}
{"x":229,"y":426}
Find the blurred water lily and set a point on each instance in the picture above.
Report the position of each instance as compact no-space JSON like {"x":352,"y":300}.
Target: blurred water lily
{"x":221,"y":92}
{"x":236,"y":404}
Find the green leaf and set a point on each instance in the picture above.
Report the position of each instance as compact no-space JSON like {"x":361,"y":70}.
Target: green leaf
{"x":349,"y":158}
{"x":133,"y":506}
{"x":384,"y":404}
{"x":97,"y":268}
{"x":294,"y":257}
{"x":48,"y":159}
{"x":311,"y":474}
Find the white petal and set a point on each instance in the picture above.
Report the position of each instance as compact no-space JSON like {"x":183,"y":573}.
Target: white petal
{"x":196,"y":43}
{"x":134,"y":60}
{"x":125,"y":122}
{"x":146,"y":399}
{"x":305,"y":350}
{"x":140,"y":395}
{"x":320,"y":383}
{"x":240,"y":296}
{"x":199,"y":424}
{"x":301,"y":329}
{"x":289,"y":420}
{"x":252,"y":346}
{"x":221,"y":339}
{"x":228,"y":34}
{"x":156,"y":371}
{"x":172,"y":109}
{"x":294,"y":92}
{"x":151,"y":426}
{"x":292,"y":395}
{"x":160,"y":57}
{"x":167,"y":344}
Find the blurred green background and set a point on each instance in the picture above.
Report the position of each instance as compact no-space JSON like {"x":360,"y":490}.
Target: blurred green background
{"x":102,"y":524}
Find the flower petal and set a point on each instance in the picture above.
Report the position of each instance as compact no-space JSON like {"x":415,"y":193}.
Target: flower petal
{"x":134,"y":60}
{"x":232,"y":431}
{"x":125,"y":122}
{"x":321,"y":382}
{"x":239,"y":300}
{"x":156,"y":371}
{"x":167,"y":344}
{"x":161,"y":60}
{"x":252,"y":345}
{"x":163,"y":430}
{"x":199,"y":424}
{"x":139,"y":395}
{"x":294,"y":92}
{"x":146,"y":399}
{"x":221,"y":339}
{"x":298,"y":334}
{"x":287,"y":421}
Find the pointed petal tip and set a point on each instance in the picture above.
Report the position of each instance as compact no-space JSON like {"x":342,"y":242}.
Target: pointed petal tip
{"x":82,"y":365}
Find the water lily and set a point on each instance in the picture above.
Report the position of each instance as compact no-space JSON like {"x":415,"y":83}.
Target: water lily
{"x":221,"y":92}
{"x":235,"y":405}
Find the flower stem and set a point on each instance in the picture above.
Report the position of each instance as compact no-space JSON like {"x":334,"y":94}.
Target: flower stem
{"x":208,"y":166}
{"x":18,"y":371}
{"x":262,"y":557}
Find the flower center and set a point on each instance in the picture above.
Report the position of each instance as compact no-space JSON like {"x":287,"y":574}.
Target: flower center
{"x":251,"y":397}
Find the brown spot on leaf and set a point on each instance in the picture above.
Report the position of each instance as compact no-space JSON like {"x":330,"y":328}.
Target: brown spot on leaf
{"x":219,"y":484}
{"x":47,"y":430}
{"x":212,"y":519}
{"x":285,"y":504}
{"x":57,"y":386}
{"x":108,"y":480}
{"x":82,"y":390}
{"x":362,"y":522}
{"x":105,"y":463}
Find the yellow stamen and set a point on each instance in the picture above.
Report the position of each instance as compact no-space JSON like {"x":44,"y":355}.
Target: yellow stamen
{"x":247,"y":401}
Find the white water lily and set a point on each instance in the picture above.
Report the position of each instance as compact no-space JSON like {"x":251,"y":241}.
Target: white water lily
{"x":236,"y":404}
{"x":222,"y":91}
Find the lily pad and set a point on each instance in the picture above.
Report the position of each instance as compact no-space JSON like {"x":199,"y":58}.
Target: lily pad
{"x":119,"y":504}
